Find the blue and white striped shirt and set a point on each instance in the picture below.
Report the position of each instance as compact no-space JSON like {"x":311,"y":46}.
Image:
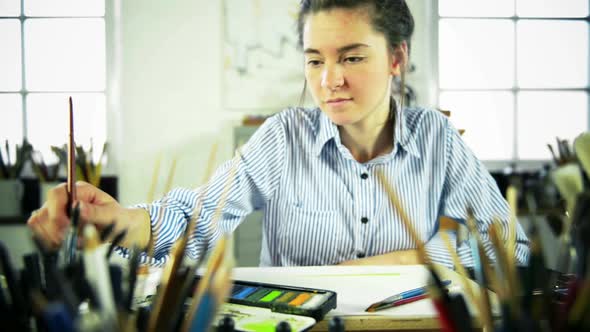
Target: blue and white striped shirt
{"x":321,"y":206}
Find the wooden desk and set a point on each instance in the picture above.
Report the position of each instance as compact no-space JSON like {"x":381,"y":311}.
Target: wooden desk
{"x":359,"y":286}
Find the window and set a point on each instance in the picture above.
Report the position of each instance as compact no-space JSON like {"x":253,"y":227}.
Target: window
{"x":52,"y":50}
{"x":514,"y":73}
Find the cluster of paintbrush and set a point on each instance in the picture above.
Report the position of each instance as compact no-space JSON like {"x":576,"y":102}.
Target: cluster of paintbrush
{"x":451,"y":308}
{"x":11,"y":165}
{"x":44,"y":171}
{"x":88,"y":167}
{"x":530,"y":298}
{"x":89,"y":294}
{"x":564,"y":152}
{"x":45,"y":297}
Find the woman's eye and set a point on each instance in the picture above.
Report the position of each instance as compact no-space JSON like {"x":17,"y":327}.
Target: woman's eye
{"x":353,"y":59}
{"x":314,"y":63}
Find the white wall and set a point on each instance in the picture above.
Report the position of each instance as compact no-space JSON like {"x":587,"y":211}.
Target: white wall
{"x":170,"y":96}
{"x":170,"y":92}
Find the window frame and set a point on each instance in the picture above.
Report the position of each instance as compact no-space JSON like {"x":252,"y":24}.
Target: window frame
{"x":113,"y":56}
{"x":514,"y":162}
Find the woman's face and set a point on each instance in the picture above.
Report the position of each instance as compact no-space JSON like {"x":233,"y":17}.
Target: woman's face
{"x":348,"y":66}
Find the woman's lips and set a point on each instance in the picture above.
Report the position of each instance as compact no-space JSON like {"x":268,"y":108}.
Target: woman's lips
{"x":338,"y":101}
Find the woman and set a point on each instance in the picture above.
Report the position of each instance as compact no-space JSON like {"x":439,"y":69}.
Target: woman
{"x":313,"y":171}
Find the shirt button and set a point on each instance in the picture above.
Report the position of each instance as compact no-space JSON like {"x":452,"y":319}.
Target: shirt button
{"x":364,"y":176}
{"x":364,"y":220}
{"x":360,"y":255}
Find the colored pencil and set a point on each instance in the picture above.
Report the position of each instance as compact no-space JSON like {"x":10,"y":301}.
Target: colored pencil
{"x":402,"y":296}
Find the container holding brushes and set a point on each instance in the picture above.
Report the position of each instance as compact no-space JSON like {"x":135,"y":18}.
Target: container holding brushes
{"x":47,"y":172}
{"x":12,"y":160}
{"x":88,"y":163}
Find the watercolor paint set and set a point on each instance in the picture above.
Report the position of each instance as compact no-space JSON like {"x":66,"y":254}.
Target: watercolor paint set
{"x":283,"y":299}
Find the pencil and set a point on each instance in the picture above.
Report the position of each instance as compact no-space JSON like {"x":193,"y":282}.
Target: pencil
{"x":402,"y":296}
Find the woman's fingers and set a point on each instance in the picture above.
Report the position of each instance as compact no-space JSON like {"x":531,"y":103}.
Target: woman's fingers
{"x":43,"y":230}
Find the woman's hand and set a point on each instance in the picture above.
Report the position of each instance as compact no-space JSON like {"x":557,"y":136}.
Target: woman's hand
{"x":402,"y":257}
{"x":50,"y":222}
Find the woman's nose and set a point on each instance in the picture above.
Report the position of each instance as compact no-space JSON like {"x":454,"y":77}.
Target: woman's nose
{"x":332,"y":77}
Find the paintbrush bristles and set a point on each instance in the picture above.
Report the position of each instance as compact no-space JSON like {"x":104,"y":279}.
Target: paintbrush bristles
{"x":423,"y":256}
{"x":230,"y":177}
{"x":210,"y":163}
{"x":170,"y":179}
{"x":152,"y":191}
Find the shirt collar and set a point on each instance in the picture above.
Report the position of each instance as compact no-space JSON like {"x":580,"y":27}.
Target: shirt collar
{"x":327,"y":130}
{"x":403,"y":138}
{"x":403,"y":135}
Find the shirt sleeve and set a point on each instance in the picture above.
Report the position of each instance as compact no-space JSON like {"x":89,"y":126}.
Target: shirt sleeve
{"x":257,"y":168}
{"x":468,"y":183}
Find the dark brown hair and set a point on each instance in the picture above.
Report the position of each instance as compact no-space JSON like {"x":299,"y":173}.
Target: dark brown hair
{"x":392,"y":18}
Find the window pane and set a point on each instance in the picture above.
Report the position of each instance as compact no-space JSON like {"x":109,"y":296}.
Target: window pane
{"x":476,"y":8}
{"x":552,"y":54}
{"x":476,"y":53}
{"x":11,"y":126}
{"x":65,"y":54}
{"x":552,"y":8}
{"x":64,"y":8}
{"x":10,"y":8}
{"x":10,"y":56}
{"x":47,"y":118}
{"x":488,"y":120}
{"x":544,"y":115}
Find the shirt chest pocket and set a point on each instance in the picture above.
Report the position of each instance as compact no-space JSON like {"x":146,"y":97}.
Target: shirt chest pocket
{"x":311,"y":237}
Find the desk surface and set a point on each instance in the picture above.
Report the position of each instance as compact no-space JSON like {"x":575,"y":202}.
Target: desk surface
{"x":359,"y":286}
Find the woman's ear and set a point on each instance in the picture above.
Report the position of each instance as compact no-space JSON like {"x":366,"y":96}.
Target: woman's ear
{"x":399,"y":59}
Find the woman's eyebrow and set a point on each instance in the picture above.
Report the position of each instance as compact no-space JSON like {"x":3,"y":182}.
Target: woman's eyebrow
{"x":342,"y":49}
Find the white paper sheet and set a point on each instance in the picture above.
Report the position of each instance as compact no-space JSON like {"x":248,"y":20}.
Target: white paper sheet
{"x":353,"y":297}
